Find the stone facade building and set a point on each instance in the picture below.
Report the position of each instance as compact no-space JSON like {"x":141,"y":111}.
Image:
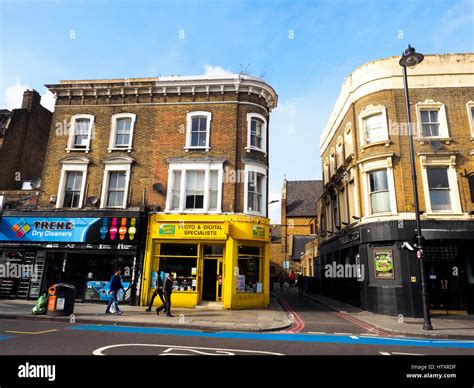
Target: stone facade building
{"x":367,"y":209}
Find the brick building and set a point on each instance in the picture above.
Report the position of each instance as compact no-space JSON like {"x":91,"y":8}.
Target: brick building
{"x":179,"y":154}
{"x":367,"y":209}
{"x":299,"y":217}
{"x":23,"y":139}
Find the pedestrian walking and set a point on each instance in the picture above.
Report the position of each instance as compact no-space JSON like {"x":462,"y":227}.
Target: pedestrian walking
{"x":115,"y":286}
{"x":291,"y":279}
{"x":167,"y":291}
{"x":300,"y":284}
{"x":158,"y":291}
{"x":281,"y":280}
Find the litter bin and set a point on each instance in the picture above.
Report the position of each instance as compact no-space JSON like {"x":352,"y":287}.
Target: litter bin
{"x":61,"y":298}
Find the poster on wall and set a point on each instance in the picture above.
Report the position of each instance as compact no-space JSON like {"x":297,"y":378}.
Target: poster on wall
{"x":241,"y":283}
{"x":384,"y":265}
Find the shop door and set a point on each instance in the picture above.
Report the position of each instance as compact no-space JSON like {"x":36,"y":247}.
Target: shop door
{"x":209,"y":281}
{"x":444,"y":278}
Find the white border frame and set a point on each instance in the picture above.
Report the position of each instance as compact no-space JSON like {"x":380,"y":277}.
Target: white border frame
{"x":372,"y":110}
{"x":113,"y":132}
{"x":70,"y":141}
{"x":189,"y":117}
{"x":383,"y":163}
{"x":443,"y":123}
{"x":449,"y":162}
{"x":469,"y":106}
{"x":116,"y":164}
{"x":254,"y":167}
{"x":184,"y":166}
{"x":72,"y":164}
{"x":249,"y":147}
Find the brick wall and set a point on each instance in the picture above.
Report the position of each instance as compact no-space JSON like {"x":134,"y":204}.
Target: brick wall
{"x":23,"y":148}
{"x":159,"y":134}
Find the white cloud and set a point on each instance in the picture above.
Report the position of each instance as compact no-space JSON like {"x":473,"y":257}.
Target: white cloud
{"x":216,"y":71}
{"x":48,"y":100}
{"x":13,"y":95}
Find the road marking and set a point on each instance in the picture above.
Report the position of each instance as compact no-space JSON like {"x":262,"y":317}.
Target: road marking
{"x":30,"y":332}
{"x":400,"y":354}
{"x":316,"y":332}
{"x":342,"y":333}
{"x":169,"y":349}
{"x":274,"y":336}
{"x":354,"y":337}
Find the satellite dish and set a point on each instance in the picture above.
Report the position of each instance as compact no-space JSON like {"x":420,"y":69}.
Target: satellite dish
{"x":436,"y":145}
{"x":158,"y":187}
{"x":36,"y":183}
{"x":92,"y":200}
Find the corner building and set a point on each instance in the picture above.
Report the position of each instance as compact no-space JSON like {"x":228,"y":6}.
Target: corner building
{"x":367,"y":208}
{"x":155,"y":175}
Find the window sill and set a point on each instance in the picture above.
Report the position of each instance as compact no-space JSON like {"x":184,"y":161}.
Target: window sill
{"x":444,"y":214}
{"x":190,"y":211}
{"x":128,"y":149}
{"x":255,"y":213}
{"x":85,"y":150}
{"x":424,"y":140}
{"x":387,"y":143}
{"x":187,"y":149}
{"x":249,"y":149}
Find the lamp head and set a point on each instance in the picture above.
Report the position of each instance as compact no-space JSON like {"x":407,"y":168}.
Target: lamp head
{"x":410,"y":58}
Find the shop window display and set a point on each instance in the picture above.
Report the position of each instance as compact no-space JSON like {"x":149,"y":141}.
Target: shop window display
{"x":248,"y":279}
{"x":181,"y":260}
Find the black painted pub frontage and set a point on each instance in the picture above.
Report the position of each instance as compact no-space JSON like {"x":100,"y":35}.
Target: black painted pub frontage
{"x":82,"y":248}
{"x":388,"y":274}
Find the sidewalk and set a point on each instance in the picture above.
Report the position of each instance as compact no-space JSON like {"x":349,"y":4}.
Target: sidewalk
{"x":269,"y":319}
{"x":444,"y":326}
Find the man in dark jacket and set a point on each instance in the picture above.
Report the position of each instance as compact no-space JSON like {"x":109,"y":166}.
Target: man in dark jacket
{"x":301,"y":284}
{"x":115,"y":286}
{"x":167,"y":291}
{"x":158,"y":291}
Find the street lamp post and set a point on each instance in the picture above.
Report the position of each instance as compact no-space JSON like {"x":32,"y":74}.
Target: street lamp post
{"x":411,"y":58}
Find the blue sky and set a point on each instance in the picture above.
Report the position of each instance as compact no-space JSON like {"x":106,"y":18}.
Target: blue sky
{"x":47,"y":41}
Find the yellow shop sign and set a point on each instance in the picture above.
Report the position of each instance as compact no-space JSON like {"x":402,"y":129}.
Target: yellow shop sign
{"x":193,"y":230}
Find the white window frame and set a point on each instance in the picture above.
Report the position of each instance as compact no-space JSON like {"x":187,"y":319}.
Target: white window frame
{"x":469,"y":107}
{"x":258,"y":168}
{"x":348,"y":141}
{"x":326,"y":171}
{"x":249,"y":147}
{"x":70,"y":143}
{"x":70,"y":165}
{"x":113,"y":132}
{"x":366,"y":167}
{"x":368,"y":111}
{"x":189,"y":120}
{"x":449,"y":162}
{"x":332,"y":162}
{"x":111,"y":165}
{"x":185,"y":166}
{"x":339,"y":152}
{"x":443,"y":123}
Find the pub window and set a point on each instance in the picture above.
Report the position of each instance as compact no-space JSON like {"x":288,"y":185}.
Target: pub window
{"x":249,"y":278}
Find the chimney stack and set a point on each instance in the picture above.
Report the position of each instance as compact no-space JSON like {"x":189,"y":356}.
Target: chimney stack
{"x":31,"y":98}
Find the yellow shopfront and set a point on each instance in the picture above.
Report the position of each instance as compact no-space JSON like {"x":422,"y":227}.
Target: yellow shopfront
{"x":221,"y":259}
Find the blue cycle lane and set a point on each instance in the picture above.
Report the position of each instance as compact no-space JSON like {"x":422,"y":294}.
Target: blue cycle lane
{"x":300,"y":337}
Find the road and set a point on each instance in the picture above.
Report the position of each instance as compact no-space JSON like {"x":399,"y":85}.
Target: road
{"x":316,"y":331}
